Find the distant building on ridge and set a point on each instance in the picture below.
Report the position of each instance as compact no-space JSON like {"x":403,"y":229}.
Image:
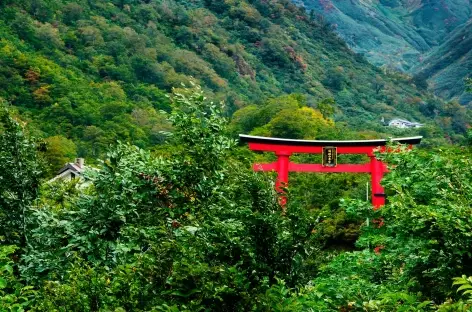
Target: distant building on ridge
{"x":402,"y":123}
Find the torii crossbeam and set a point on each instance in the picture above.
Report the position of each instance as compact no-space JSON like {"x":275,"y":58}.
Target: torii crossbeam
{"x":284,"y":148}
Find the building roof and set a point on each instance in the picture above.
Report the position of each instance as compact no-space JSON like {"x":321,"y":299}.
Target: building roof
{"x":70,"y":166}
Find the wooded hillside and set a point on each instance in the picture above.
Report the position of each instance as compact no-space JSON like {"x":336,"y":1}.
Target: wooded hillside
{"x":87,"y":73}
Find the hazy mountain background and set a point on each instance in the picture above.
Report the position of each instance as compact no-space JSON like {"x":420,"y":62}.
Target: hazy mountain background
{"x":428,"y":38}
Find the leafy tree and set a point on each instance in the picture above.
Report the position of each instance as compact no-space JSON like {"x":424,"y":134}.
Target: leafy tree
{"x":194,"y":231}
{"x":14,"y":296}
{"x":420,"y":81}
{"x":326,"y":107}
{"x":304,"y":123}
{"x":49,"y":36}
{"x":252,"y":116}
{"x":335,"y":79}
{"x":72,"y":12}
{"x":59,"y":151}
{"x":415,"y":244}
{"x":378,"y":84}
{"x":20,"y":173}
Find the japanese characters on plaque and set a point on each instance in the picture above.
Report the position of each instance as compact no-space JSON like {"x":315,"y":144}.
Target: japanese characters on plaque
{"x":330,"y":156}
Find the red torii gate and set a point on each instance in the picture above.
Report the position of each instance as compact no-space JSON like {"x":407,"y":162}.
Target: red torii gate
{"x":284,"y":148}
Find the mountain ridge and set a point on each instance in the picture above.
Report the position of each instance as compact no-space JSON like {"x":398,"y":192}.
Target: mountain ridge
{"x":399,"y":34}
{"x":449,"y":64}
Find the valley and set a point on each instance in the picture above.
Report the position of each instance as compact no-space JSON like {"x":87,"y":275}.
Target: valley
{"x":408,"y":36}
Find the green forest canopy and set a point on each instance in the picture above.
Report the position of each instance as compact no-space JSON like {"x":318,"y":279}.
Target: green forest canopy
{"x":199,"y":231}
{"x":88,"y":73}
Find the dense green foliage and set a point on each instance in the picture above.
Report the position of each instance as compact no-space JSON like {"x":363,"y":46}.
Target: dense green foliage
{"x":414,"y":245}
{"x":191,"y":228}
{"x":192,"y":231}
{"x":86,"y":73}
{"x":172,"y":218}
{"x":20,"y":179}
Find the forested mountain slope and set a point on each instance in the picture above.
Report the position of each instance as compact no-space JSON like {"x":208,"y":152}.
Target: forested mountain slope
{"x":449,"y":64}
{"x":97,"y":71}
{"x":401,"y":35}
{"x":393,"y":32}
